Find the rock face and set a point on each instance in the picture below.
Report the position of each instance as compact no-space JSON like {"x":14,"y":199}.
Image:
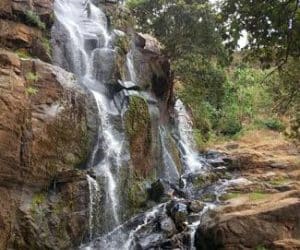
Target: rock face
{"x":38,"y":103}
{"x":48,"y":124}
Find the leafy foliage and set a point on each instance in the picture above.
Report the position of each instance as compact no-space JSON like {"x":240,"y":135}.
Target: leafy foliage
{"x":183,"y":26}
{"x":272,"y":26}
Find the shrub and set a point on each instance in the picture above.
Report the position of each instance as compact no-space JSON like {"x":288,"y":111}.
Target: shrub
{"x":31,"y":77}
{"x":273,"y":124}
{"x":47,"y":46}
{"x":31,"y":91}
{"x":23,"y":53}
{"x":33,"y":19}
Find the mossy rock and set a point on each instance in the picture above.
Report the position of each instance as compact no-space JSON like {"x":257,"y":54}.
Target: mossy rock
{"x":138,"y":131}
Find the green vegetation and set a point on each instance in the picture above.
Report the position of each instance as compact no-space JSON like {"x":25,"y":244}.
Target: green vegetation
{"x":36,"y":202}
{"x":47,"y":46}
{"x":229,"y":196}
{"x":261,"y":248}
{"x":23,"y":53}
{"x":31,"y":90}
{"x":230,"y":91}
{"x":257,"y":195}
{"x":32,"y":77}
{"x":279,"y":181}
{"x":33,"y":18}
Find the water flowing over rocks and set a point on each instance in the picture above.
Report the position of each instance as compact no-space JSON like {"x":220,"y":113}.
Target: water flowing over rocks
{"x":97,"y":153}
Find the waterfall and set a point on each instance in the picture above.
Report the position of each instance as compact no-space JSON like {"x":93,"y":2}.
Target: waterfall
{"x":86,"y":51}
{"x":190,"y":157}
{"x":84,"y":47}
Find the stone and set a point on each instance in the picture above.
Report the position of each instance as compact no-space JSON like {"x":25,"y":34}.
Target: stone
{"x":275,"y":220}
{"x":196,"y":206}
{"x":178,"y":211}
{"x":156,"y":191}
{"x":167,"y":225}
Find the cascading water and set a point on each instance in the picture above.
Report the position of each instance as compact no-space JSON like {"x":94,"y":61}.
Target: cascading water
{"x":85,"y":48}
{"x":90,"y":56}
{"x":190,"y":157}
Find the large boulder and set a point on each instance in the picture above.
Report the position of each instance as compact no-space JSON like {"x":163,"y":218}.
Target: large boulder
{"x":262,"y":225}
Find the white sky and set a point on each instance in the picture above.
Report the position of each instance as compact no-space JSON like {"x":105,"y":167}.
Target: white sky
{"x":243,"y":40}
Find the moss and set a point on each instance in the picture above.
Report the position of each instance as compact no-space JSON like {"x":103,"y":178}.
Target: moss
{"x":138,"y":131}
{"x":255,"y":196}
{"x":204,"y":180}
{"x":137,"y":195}
{"x":229,"y":196}
{"x":137,"y":116}
{"x":37,"y":201}
{"x":279,"y":181}
{"x":23,"y":53}
{"x":260,"y":248}
{"x":209,"y":197}
{"x":47,"y":46}
{"x":123,"y":43}
{"x":32,"y":78}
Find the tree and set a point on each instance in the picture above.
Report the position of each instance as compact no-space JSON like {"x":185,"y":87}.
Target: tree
{"x":183,"y":26}
{"x":273,"y":27}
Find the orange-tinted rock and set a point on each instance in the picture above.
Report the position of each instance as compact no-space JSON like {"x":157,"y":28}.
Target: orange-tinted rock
{"x":38,"y":151}
{"x":263,"y":226}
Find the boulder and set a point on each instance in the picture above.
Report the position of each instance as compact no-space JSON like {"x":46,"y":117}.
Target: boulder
{"x":273,"y":221}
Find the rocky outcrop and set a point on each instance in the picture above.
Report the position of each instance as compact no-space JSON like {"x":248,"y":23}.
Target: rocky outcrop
{"x":23,"y":27}
{"x":38,"y":103}
{"x":261,"y":211}
{"x":260,"y":226}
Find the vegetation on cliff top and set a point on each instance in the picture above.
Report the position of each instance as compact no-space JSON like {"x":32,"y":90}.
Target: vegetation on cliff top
{"x":229,"y":90}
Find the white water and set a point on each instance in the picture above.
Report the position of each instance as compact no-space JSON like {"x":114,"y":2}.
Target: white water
{"x":190,"y":157}
{"x":171,"y":171}
{"x":87,"y":44}
{"x":87,"y":41}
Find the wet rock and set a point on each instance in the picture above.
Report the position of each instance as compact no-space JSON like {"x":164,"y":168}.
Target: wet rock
{"x":196,"y":206}
{"x":178,"y":211}
{"x":138,"y":131}
{"x":104,"y":61}
{"x":167,"y":225}
{"x":156,"y":191}
{"x":231,"y":146}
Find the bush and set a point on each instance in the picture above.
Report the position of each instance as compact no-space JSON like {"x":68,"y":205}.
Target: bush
{"x":33,"y":19}
{"x":273,"y":124}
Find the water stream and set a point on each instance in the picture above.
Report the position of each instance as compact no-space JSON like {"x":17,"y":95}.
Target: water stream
{"x":85,"y":48}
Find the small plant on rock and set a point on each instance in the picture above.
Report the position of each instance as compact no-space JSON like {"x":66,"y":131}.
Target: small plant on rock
{"x":33,"y":19}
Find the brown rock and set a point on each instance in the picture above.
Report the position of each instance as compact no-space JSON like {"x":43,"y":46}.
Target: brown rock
{"x":261,"y":225}
{"x":38,"y":103}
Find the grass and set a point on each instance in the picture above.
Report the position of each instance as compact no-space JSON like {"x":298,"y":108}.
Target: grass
{"x":256,"y":196}
{"x":33,"y":19}
{"x":279,"y":181}
{"x":23,"y":54}
{"x":32,"y":77}
{"x":47,"y":46}
{"x":31,"y":90}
